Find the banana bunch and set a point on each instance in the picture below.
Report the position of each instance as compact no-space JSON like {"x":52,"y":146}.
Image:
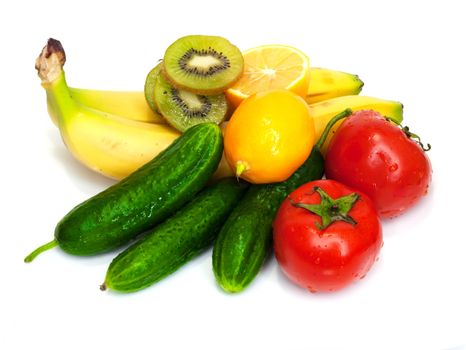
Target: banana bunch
{"x":107,"y":143}
{"x":116,"y":132}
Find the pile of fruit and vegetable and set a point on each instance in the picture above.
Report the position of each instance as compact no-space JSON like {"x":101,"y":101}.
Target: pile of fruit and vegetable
{"x":249,"y":152}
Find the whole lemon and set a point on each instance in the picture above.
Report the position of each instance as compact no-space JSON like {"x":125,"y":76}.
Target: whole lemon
{"x":269,"y":136}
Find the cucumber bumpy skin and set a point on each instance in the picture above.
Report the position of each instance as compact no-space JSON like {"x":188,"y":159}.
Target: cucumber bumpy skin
{"x":144,"y":198}
{"x":246,"y":238}
{"x":175,"y":241}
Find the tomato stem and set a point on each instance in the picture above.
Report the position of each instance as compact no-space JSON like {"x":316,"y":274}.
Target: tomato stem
{"x":330,"y":124}
{"x":329,"y":209}
{"x":416,"y":138}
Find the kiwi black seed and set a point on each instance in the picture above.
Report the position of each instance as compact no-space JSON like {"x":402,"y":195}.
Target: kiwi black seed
{"x":149,"y":87}
{"x":183,"y":109}
{"x":203,"y":64}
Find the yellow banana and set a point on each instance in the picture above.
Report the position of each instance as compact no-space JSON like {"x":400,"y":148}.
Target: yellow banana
{"x":327,"y":83}
{"x":109,"y":144}
{"x":128,"y":104}
{"x":116,"y":145}
{"x":323,"y":111}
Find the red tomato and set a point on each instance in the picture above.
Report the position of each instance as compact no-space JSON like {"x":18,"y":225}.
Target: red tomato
{"x":377,"y":157}
{"x":326,"y":259}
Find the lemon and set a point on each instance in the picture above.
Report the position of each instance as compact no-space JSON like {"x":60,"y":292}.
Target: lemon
{"x":269,"y":136}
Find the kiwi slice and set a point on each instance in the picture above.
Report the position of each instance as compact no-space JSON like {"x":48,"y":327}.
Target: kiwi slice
{"x":149,"y":87}
{"x":183,"y":109}
{"x":203,"y":64}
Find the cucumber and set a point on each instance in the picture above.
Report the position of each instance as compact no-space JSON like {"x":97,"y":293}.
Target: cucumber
{"x":144,"y":198}
{"x":175,"y":241}
{"x":246,"y":238}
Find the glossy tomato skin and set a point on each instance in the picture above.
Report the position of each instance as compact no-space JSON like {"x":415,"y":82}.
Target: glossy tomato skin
{"x":332,"y":258}
{"x":376,"y":157}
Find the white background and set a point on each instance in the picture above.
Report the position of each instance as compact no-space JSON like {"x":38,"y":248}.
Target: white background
{"x":413,"y":298}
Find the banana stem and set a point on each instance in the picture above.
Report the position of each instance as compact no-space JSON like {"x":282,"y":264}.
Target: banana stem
{"x":59,"y":98}
{"x":40,"y":250}
{"x":330,"y":124}
{"x":50,"y":62}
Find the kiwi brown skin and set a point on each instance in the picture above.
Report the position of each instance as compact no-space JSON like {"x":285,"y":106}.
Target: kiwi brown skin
{"x":149,"y":87}
{"x":235,"y":64}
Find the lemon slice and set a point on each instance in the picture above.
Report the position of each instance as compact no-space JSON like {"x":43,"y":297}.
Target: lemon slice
{"x":271,"y":67}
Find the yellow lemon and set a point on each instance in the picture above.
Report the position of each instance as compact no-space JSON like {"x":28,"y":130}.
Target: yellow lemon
{"x":269,"y":136}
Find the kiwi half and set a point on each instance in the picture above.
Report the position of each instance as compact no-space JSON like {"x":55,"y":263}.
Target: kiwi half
{"x":183,"y":109}
{"x":149,"y":87}
{"x":203,"y":64}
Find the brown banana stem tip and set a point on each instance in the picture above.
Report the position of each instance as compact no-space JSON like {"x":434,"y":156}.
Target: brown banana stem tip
{"x":51,"y":60}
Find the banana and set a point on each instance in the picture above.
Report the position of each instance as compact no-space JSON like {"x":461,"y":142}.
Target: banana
{"x":326,"y":83}
{"x":116,"y":145}
{"x":128,"y":104}
{"x":323,"y":111}
{"x":107,"y":143}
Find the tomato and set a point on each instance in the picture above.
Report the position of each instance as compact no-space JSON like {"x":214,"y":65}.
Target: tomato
{"x":329,"y":251}
{"x":379,"y":158}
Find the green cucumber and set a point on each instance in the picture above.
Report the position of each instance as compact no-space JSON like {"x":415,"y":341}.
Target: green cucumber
{"x":246,"y":238}
{"x":175,"y":241}
{"x":144,"y":198}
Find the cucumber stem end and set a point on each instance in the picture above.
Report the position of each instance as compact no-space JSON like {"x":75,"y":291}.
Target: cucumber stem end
{"x":40,"y":250}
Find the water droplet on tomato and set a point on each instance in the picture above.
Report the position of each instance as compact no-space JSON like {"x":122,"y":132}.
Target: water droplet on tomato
{"x":311,"y":289}
{"x":393,"y":167}
{"x":317,"y":261}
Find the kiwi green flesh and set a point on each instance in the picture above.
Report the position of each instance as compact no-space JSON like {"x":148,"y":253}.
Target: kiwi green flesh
{"x":203,"y":64}
{"x":149,"y":87}
{"x":183,"y":109}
